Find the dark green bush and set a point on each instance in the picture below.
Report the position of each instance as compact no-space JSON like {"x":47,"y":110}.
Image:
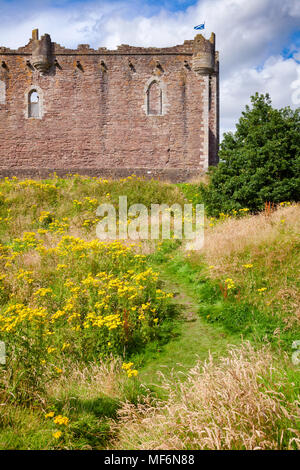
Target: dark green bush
{"x":259,"y":163}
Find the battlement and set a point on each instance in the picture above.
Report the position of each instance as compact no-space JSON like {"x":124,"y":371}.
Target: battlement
{"x":199,"y":43}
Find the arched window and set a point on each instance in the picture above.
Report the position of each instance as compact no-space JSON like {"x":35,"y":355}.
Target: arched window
{"x":33,"y":104}
{"x":154,"y":99}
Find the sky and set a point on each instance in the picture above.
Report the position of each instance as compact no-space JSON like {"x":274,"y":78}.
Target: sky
{"x":258,"y":40}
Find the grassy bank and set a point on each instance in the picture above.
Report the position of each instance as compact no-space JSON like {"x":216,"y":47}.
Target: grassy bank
{"x":144,"y":345}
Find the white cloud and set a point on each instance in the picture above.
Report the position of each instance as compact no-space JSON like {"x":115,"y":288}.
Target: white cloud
{"x":276,"y":78}
{"x":250,"y":37}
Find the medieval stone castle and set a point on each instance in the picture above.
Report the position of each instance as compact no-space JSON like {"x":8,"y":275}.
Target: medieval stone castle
{"x":148,"y":111}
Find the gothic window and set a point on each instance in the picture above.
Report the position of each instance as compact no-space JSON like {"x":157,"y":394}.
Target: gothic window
{"x":154,"y":99}
{"x":33,"y":104}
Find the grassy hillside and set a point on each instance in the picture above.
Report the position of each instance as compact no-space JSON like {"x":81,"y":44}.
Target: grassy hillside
{"x":136,"y":344}
{"x":253,"y":267}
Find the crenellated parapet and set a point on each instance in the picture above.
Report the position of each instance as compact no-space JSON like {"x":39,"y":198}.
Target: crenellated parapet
{"x":43,"y":49}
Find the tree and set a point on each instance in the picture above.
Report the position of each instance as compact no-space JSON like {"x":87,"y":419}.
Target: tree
{"x":259,"y":162}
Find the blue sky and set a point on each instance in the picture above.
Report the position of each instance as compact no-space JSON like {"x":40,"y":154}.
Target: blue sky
{"x":155,"y":5}
{"x":258,"y":40}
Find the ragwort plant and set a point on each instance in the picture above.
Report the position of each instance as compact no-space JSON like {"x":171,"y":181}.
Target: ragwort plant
{"x":64,"y":297}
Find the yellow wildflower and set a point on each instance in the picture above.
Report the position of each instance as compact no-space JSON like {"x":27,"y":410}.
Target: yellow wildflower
{"x":61,"y":420}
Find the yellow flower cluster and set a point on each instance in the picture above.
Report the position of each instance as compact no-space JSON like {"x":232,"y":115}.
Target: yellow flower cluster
{"x":285,"y":203}
{"x":59,"y":267}
{"x":16,"y":314}
{"x":128,"y":368}
{"x":42,"y":292}
{"x":229,"y":283}
{"x":59,"y":227}
{"x":87,"y":203}
{"x":87,"y":223}
{"x":26,"y":275}
{"x":63,"y":420}
{"x":61,"y":294}
{"x":43,"y":185}
{"x":232,"y":214}
{"x":60,"y":420}
{"x":47,"y":219}
{"x":110,"y":321}
{"x":29,"y":240}
{"x":46,"y":216}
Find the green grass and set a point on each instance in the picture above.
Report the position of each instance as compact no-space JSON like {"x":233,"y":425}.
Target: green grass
{"x":21,"y":203}
{"x":194,"y":341}
{"x":244,"y":313}
{"x":204,"y":318}
{"x":191,"y":192}
{"x":25,"y":428}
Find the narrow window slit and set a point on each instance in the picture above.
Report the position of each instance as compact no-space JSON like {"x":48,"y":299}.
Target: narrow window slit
{"x":33,"y":104}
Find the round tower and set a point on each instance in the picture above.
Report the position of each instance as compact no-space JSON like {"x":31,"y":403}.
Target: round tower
{"x":41,"y":51}
{"x":203,"y":61}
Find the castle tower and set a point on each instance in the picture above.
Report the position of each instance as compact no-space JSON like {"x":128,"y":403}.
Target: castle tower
{"x":41,"y":51}
{"x":205,"y":64}
{"x":204,"y":55}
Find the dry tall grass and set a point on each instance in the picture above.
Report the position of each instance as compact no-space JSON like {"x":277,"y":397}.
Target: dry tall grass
{"x":270,"y":243}
{"x":91,"y":381}
{"x":235,"y":235}
{"x":235,"y":404}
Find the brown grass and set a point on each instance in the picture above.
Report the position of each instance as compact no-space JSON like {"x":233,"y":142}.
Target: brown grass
{"x":268,"y":241}
{"x":236,"y":235}
{"x":235,"y":404}
{"x":204,"y":178}
{"x":89,"y":382}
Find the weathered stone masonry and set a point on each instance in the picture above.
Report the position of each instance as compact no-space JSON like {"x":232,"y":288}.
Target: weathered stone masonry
{"x":147,"y":111}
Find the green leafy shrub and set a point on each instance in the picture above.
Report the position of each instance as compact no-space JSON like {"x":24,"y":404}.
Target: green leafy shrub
{"x":259,"y":163}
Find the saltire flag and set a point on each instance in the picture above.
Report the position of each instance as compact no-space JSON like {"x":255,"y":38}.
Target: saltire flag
{"x":200,"y":26}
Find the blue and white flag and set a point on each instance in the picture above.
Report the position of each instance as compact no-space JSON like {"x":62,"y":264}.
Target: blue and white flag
{"x":200,"y":26}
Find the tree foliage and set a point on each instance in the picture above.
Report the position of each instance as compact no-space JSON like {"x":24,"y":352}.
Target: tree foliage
{"x":259,"y":162}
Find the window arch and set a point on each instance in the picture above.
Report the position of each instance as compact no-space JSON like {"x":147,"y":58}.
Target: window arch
{"x":154,"y":99}
{"x":33,"y":104}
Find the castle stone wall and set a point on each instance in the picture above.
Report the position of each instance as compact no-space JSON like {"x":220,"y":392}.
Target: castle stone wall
{"x":93,"y":111}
